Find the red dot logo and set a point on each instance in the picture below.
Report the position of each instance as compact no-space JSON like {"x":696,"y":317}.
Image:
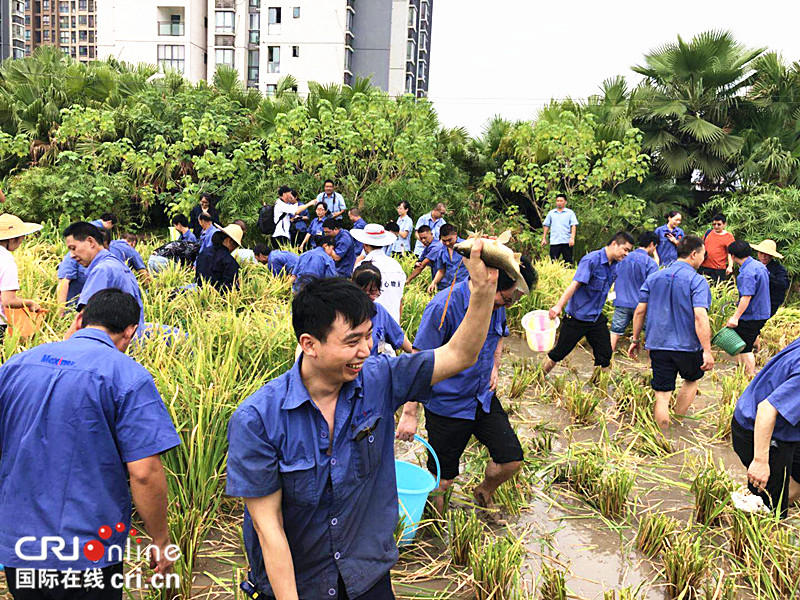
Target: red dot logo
{"x":93,"y":550}
{"x":104,"y":532}
{"x":133,"y":532}
{"x":120,"y":527}
{"x":138,"y":540}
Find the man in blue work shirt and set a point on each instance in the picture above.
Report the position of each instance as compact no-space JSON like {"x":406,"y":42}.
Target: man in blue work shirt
{"x":754,"y":306}
{"x":282,"y":262}
{"x":71,"y":277}
{"x":203,"y":263}
{"x":103,"y":269}
{"x":344,"y":250}
{"x":448,"y":263}
{"x":78,"y":420}
{"x":562,"y":224}
{"x":181,"y":225}
{"x":631,"y":273}
{"x":125,"y":250}
{"x":333,"y":199}
{"x":669,"y":235}
{"x":106,"y":221}
{"x":358,"y":223}
{"x":434,"y":220}
{"x":466,"y":404}
{"x":312,"y":452}
{"x":431,"y":250}
{"x":315,"y":264}
{"x":765,"y":430}
{"x":585,"y":298}
{"x":675,"y":302}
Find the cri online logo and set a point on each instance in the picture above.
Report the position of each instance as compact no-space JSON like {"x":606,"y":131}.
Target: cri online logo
{"x":94,"y":550}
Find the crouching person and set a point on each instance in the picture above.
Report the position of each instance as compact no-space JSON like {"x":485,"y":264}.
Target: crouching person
{"x":766,"y":430}
{"x":312,"y":452}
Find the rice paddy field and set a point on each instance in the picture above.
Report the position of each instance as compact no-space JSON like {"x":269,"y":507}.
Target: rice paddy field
{"x":606,"y":506}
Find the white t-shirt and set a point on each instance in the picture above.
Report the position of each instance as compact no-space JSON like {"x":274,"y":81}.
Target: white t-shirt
{"x":283,"y":215}
{"x":394,"y":281}
{"x":9,"y":276}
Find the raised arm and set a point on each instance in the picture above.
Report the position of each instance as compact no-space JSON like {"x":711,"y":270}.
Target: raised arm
{"x":267,"y":517}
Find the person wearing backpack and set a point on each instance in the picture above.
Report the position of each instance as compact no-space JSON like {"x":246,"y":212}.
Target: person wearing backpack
{"x":283,"y":210}
{"x":718,"y":264}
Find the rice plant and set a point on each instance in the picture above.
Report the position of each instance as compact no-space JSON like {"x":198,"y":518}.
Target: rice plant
{"x":581,"y":405}
{"x":721,"y":587}
{"x":712,"y":489}
{"x":523,"y":375}
{"x":553,"y":583}
{"x":626,"y":593}
{"x":466,"y":532}
{"x":686,"y":564}
{"x":495,"y":568}
{"x":603,"y":484}
{"x":732,"y":387}
{"x":655,"y":529}
{"x":541,"y":443}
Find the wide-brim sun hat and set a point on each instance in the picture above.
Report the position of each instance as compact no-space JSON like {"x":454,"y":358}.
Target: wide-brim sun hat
{"x":767,"y":247}
{"x":234,"y":232}
{"x":374,"y":235}
{"x":12,"y":227}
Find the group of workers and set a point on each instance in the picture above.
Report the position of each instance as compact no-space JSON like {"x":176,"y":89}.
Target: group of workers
{"x":312,"y":451}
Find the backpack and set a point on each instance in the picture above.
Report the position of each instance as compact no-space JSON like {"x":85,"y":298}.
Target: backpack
{"x":266,"y":219}
{"x":182,"y":252}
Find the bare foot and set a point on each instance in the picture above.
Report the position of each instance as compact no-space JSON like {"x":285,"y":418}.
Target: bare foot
{"x":483,"y":500}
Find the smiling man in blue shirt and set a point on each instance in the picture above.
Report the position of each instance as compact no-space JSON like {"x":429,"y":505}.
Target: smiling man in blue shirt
{"x":562,"y":225}
{"x":82,"y":426}
{"x":754,"y":306}
{"x":448,"y":263}
{"x":675,"y":302}
{"x":631,"y":273}
{"x":585,"y":298}
{"x":312,"y":452}
{"x":766,"y":430}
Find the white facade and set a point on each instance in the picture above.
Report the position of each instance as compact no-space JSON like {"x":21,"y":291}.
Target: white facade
{"x":267,"y":39}
{"x":168,"y":33}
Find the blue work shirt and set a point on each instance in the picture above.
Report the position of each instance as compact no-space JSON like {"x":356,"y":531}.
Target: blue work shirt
{"x":452,"y":266}
{"x":75,"y":272}
{"x":431,"y":252}
{"x":72,"y":414}
{"x":385,"y":330}
{"x":597,"y":275}
{"x":127,"y":254}
{"x":753,"y":280}
{"x":435,"y":226}
{"x":97,"y":223}
{"x":339,"y":501}
{"x":560,"y":224}
{"x":282,"y":261}
{"x":631,"y":273}
{"x":315,"y":264}
{"x":460,"y":395}
{"x":315,"y":229}
{"x":667,"y":251}
{"x":671,"y":295}
{"x":300,"y":224}
{"x":107,"y":271}
{"x":778,"y":382}
{"x":403,"y":244}
{"x":202,"y":263}
{"x":206,"y":245}
{"x":360,"y":224}
{"x":188,"y":236}
{"x":335,"y":202}
{"x":344,"y":246}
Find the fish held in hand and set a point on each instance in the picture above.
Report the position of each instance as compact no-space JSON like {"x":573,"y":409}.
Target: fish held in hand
{"x":497,"y":255}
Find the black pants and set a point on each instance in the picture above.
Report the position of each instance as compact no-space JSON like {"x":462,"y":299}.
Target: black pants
{"x":60,"y":591}
{"x":715,"y":275}
{"x":562,"y":251}
{"x":784,"y":462}
{"x":573,"y":331}
{"x":382,"y":590}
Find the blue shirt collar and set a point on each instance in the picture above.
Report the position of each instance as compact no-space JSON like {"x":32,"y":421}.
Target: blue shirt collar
{"x":93,"y":333}
{"x":297,"y":394}
{"x":746,"y":262}
{"x":604,"y":257}
{"x":682,"y":264}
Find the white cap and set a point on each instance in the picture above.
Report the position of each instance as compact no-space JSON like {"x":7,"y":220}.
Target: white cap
{"x":374,"y":235}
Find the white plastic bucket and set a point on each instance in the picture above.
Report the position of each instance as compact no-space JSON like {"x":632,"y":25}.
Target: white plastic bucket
{"x":540,"y":330}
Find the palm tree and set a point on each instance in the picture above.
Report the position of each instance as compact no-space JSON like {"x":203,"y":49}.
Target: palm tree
{"x":685,"y":103}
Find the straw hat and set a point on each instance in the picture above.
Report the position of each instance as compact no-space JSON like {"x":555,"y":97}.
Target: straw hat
{"x":374,"y":235}
{"x":234,"y":232}
{"x":767,"y":247}
{"x":12,"y":227}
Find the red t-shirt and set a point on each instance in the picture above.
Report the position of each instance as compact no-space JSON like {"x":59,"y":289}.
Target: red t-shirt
{"x":717,"y":249}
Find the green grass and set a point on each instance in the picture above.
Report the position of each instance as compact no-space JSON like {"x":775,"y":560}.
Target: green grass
{"x":466,"y":532}
{"x":686,"y":563}
{"x":552,"y":585}
{"x":496,"y":568}
{"x":655,"y":530}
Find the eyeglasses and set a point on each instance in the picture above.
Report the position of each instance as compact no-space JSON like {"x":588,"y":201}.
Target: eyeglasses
{"x":509,"y":297}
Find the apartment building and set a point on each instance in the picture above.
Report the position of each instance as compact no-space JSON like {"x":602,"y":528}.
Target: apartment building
{"x":169,"y":33}
{"x":68,"y":24}
{"x":12,"y":29}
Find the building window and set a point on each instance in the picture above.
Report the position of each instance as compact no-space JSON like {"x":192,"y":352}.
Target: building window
{"x":274,"y":59}
{"x":295,"y":51}
{"x":349,"y":21}
{"x":412,"y":16}
{"x":64,"y":37}
{"x":255,"y":3}
{"x":224,"y":21}
{"x":83,"y":51}
{"x":296,"y":12}
{"x":253,"y":62}
{"x":46,"y":34}
{"x":224,"y":56}
{"x":411,"y":50}
{"x":171,"y":57}
{"x":83,"y":36}
{"x":272,"y":89}
{"x":410,"y":84}
{"x":423,"y":41}
{"x":424,"y":11}
{"x":348,"y":60}
{"x":46,"y":20}
{"x":82,"y":20}
{"x":274,"y":15}
{"x":83,"y":4}
{"x":255,"y":37}
{"x":45,"y":4}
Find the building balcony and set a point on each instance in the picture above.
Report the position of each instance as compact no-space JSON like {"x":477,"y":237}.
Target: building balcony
{"x":225,"y":30}
{"x":172,"y":28}
{"x":230,"y":4}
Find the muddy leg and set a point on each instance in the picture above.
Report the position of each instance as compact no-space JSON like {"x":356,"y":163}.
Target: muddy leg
{"x":494,"y":476}
{"x":661,"y":409}
{"x":686,"y":396}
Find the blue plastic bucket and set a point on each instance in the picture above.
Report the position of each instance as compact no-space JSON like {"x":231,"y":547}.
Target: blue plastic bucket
{"x":413,"y":486}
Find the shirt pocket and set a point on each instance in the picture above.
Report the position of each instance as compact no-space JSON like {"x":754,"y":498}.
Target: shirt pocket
{"x":598,"y":283}
{"x":298,"y":478}
{"x":367,"y":439}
